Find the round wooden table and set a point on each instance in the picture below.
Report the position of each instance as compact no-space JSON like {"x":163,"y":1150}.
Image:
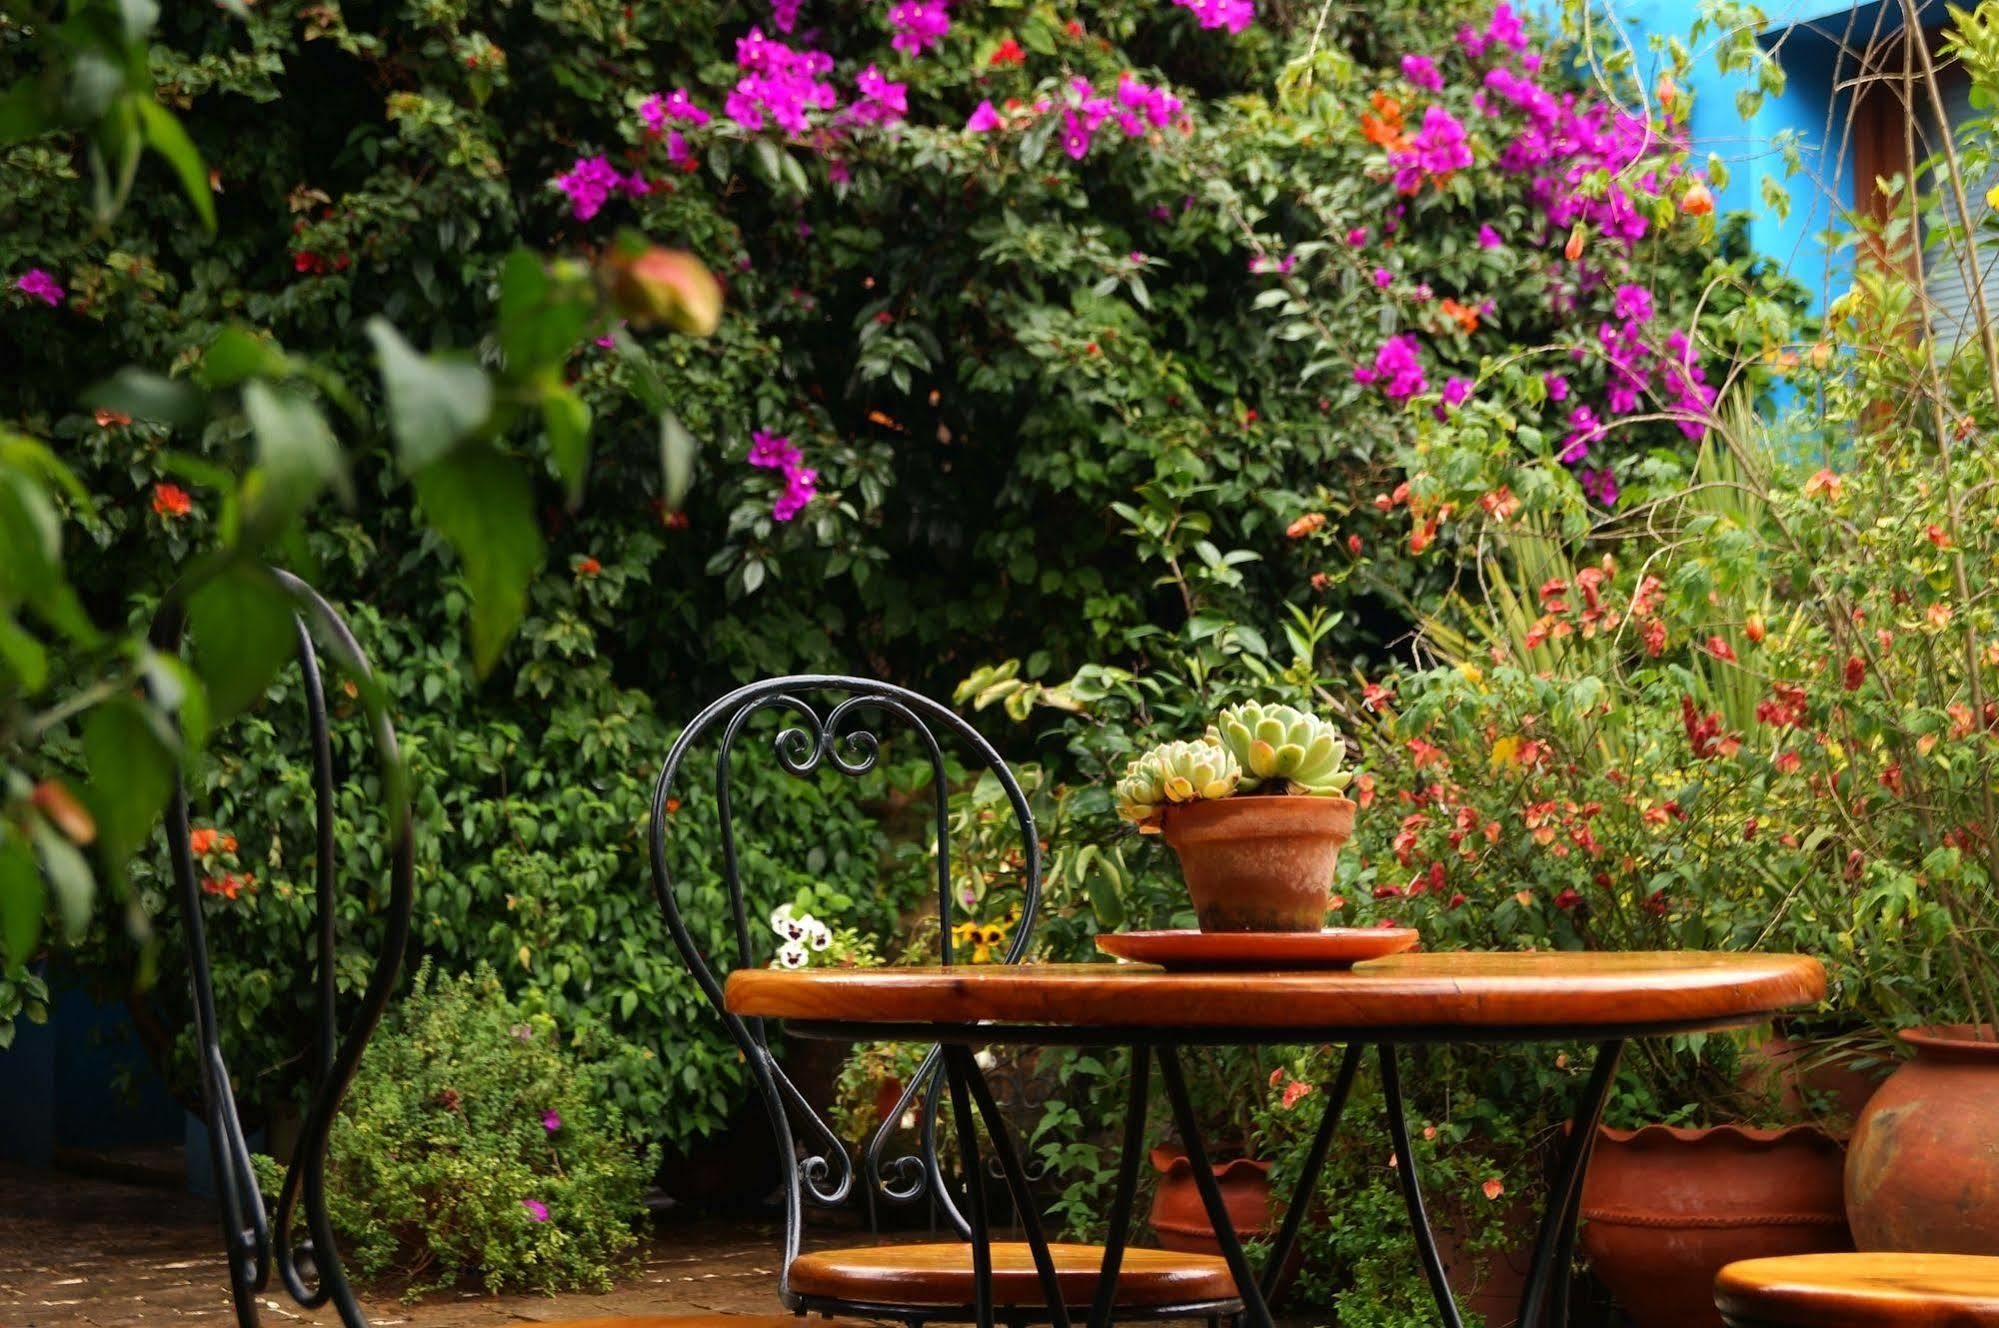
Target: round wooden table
{"x":1462,"y":997}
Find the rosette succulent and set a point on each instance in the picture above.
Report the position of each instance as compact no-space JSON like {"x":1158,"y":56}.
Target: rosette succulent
{"x":1175,"y":772}
{"x":1281,"y":749}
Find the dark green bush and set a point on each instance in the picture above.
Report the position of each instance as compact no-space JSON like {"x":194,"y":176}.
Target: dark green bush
{"x":476,"y":1143}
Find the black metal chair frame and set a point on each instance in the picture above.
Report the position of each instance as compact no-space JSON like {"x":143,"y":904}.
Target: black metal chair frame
{"x":838,"y":738}
{"x":309,"y":1267}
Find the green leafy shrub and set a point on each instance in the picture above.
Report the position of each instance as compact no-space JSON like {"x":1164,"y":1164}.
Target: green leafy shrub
{"x":475,"y":1143}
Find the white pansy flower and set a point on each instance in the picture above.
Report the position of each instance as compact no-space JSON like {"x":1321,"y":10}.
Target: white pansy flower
{"x":792,"y":954}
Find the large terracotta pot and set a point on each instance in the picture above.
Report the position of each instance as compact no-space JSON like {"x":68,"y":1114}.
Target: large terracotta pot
{"x":1801,"y":1076}
{"x":1259,"y":863}
{"x":1923,"y":1170}
{"x":1665,"y":1208}
{"x":1180,"y":1220}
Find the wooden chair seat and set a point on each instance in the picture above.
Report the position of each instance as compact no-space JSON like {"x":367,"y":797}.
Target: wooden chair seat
{"x":706,"y":1321}
{"x":1861,"y":1291}
{"x":940,"y":1276}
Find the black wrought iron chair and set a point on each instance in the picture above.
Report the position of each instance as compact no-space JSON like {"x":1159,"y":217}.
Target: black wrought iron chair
{"x":840,"y":722}
{"x":309,"y":1267}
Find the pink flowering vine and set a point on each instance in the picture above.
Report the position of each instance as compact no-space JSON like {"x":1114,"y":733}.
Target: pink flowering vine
{"x":772,"y":451}
{"x":918,"y":25}
{"x":1397,"y":369}
{"x":592,"y":181}
{"x":1235,"y":15}
{"x":37,"y":284}
{"x":778,"y":84}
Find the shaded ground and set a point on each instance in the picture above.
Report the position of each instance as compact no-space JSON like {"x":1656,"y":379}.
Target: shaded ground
{"x":76,"y":1251}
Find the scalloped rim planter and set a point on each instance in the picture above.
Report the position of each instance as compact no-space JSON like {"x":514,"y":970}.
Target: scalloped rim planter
{"x":1922,"y":1174}
{"x":1259,"y":862}
{"x":1665,"y":1207}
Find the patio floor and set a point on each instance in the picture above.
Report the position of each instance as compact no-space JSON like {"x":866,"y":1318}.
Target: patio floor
{"x":79,"y":1251}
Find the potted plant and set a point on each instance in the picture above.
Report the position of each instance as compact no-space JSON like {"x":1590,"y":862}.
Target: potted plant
{"x":1255,"y":812}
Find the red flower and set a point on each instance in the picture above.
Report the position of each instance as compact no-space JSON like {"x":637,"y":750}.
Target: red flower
{"x":1655,"y":637}
{"x":1704,"y":732}
{"x":1293,"y":1092}
{"x":1353,"y":545}
{"x":203,"y":841}
{"x":1007,"y":52}
{"x":171,"y":501}
{"x":1721,"y":649}
{"x":1854,"y":674}
{"x":1568,"y":899}
{"x":1305,"y":525}
{"x":1938,"y":536}
{"x":588,"y":566}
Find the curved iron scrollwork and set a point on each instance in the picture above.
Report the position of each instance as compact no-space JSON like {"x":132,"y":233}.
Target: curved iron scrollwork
{"x":844,"y":733}
{"x":308,"y":1266}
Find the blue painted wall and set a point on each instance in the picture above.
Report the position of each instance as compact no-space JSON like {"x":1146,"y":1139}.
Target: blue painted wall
{"x":1805,"y":38}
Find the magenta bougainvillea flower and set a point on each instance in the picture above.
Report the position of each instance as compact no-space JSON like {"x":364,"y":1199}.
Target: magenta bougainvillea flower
{"x":918,"y":25}
{"x":778,"y":83}
{"x":1422,"y":71}
{"x":592,"y":181}
{"x":1235,"y":15}
{"x":773,"y":451}
{"x":536,"y":1209}
{"x":784,"y":14}
{"x":1438,"y":148}
{"x":984,"y":119}
{"x":1488,"y":238}
{"x":551,"y":1120}
{"x":1397,"y":370}
{"x":880,"y":101}
{"x":37,"y":284}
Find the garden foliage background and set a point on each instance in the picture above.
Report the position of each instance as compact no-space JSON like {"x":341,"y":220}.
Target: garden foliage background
{"x":1108,"y":361}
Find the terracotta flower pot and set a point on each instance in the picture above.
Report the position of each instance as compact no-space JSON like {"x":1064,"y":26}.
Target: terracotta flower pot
{"x":1665,"y":1208}
{"x":1800,"y":1076}
{"x":1922,"y":1173}
{"x":1259,"y":863}
{"x":1180,"y":1219}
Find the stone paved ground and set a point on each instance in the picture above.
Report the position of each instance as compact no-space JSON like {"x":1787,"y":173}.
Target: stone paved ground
{"x":86,"y":1253}
{"x":99,"y":1254}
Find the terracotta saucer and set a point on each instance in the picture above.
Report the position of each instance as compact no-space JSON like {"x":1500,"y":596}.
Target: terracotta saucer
{"x":1194,"y":951}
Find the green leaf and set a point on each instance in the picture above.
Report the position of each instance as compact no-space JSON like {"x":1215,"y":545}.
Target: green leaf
{"x":433,"y":402}
{"x":542,"y":313}
{"x":20,"y":902}
{"x":68,"y":874}
{"x":131,"y":765}
{"x":165,"y":136}
{"x":676,"y":459}
{"x":483,"y":504}
{"x":22,"y":655}
{"x":243,"y":627}
{"x":238,"y":354}
{"x":147,"y":396}
{"x":296,"y":455}
{"x":566,"y":420}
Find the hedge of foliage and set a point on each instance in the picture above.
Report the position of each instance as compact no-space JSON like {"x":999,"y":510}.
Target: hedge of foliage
{"x":1130,"y":356}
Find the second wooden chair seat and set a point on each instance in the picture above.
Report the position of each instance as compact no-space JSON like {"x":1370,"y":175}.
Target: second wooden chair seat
{"x":940,"y":1276}
{"x":1861,"y":1291}
{"x":705,"y":1321}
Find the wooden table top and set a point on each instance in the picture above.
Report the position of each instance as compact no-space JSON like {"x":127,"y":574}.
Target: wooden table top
{"x":1425,"y":995}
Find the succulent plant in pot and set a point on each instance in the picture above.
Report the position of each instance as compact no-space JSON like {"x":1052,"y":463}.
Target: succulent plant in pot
{"x":1254,"y":811}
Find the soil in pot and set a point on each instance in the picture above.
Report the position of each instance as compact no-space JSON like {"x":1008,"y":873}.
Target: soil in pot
{"x":1664,"y":1208}
{"x":1922,"y":1173}
{"x":1259,"y":863}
